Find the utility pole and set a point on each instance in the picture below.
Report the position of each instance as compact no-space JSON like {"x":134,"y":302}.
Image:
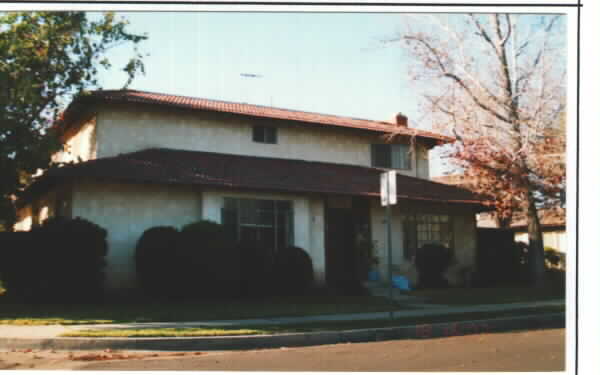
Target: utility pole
{"x":388,"y":198}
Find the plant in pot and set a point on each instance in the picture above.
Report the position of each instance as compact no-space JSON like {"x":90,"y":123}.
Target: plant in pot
{"x":367,"y":258}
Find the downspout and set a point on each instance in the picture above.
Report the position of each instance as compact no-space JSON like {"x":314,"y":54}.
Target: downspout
{"x":417,"y":160}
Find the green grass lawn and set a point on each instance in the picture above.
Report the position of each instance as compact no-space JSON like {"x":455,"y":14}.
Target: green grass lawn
{"x":168,"y":332}
{"x":122,"y":312}
{"x":476,"y":296}
{"x":126,"y":312}
{"x":305,"y":327}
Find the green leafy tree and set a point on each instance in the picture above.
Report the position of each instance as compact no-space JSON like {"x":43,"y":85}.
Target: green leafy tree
{"x":45,"y":59}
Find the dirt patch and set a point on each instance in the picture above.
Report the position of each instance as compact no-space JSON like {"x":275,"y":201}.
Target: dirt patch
{"x":21,"y":359}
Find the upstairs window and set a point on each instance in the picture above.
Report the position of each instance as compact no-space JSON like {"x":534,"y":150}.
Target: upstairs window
{"x":391,"y":156}
{"x":264,"y":134}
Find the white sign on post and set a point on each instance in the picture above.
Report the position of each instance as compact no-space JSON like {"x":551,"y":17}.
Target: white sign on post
{"x":388,"y":198}
{"x":388,"y":188}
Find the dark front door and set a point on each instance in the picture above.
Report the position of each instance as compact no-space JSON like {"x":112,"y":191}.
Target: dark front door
{"x":344,"y":217}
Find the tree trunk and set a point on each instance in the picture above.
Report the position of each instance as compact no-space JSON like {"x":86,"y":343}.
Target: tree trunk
{"x":503,"y":222}
{"x":536,"y":244}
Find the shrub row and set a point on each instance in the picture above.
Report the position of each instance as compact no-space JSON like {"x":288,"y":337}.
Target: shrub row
{"x":61,"y":260}
{"x":202,"y":260}
{"x":504,"y":264}
{"x":508,"y":264}
{"x":501,"y":264}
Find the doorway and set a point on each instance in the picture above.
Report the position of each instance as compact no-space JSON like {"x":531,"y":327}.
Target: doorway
{"x":345,"y":218}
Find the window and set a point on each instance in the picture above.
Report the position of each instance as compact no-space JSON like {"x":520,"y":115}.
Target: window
{"x":422,"y":229}
{"x":267,"y":224}
{"x":264,"y":134}
{"x":396,"y":156}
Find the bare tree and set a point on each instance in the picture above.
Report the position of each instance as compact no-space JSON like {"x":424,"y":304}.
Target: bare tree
{"x":497,"y":83}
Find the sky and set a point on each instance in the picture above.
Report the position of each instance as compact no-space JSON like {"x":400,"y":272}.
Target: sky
{"x":328,"y":63}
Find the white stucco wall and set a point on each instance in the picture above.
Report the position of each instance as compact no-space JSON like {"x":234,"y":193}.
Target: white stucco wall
{"x":465,"y":247}
{"x":308,"y":221}
{"x":379,"y":235}
{"x":127,"y":129}
{"x":317,"y":238}
{"x":24,"y":219}
{"x":422,"y":162}
{"x":36,"y":212}
{"x":81,"y":146}
{"x":126,"y":211}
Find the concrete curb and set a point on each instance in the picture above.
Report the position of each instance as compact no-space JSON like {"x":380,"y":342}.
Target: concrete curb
{"x":457,"y":328}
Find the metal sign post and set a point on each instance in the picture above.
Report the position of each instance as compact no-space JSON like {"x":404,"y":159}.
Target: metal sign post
{"x":388,"y":198}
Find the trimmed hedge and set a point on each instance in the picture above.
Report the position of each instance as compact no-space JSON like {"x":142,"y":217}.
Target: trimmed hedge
{"x":293,"y":271}
{"x":202,"y":260}
{"x":63,"y":260}
{"x":211,"y":257}
{"x":155,"y":269}
{"x":198,"y":261}
{"x":503,"y":264}
{"x":431,"y":261}
{"x":256,"y":271}
{"x":507,"y":263}
{"x":14,"y":253}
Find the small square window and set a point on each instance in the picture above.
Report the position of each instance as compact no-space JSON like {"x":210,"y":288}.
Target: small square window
{"x":264,"y":134}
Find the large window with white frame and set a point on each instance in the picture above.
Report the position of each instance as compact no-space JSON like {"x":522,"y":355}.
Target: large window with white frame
{"x":423,"y":229}
{"x":268,"y":224}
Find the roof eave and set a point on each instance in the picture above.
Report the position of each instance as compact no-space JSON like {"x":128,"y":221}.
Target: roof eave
{"x":77,"y":111}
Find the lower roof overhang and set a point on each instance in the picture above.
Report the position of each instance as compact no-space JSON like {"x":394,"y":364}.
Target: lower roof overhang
{"x":179,"y":167}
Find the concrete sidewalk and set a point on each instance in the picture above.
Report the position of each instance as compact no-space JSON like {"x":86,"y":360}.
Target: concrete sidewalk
{"x":54,"y":331}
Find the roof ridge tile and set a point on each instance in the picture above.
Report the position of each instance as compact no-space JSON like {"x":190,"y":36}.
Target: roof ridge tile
{"x":257,"y":110}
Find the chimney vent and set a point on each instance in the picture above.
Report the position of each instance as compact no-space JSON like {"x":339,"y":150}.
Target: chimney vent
{"x":401,"y":120}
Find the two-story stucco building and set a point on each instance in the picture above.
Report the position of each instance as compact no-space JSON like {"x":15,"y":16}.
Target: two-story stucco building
{"x":271,"y":175}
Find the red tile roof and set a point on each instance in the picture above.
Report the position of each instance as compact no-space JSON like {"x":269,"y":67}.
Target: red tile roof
{"x":186,"y":102}
{"x":549,"y":217}
{"x":167,"y":166}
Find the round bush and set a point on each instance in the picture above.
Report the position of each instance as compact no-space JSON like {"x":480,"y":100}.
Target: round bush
{"x":155,"y":261}
{"x":293,"y":271}
{"x":256,"y":270}
{"x":78,"y":254}
{"x":60,"y":261}
{"x":209,"y":259}
{"x":431,"y":262}
{"x":16,"y":266}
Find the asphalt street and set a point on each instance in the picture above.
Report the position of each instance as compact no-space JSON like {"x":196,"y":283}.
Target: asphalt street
{"x":539,"y":350}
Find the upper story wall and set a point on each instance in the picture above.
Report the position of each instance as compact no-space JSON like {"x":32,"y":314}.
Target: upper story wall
{"x":123,"y":129}
{"x":81,"y":146}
